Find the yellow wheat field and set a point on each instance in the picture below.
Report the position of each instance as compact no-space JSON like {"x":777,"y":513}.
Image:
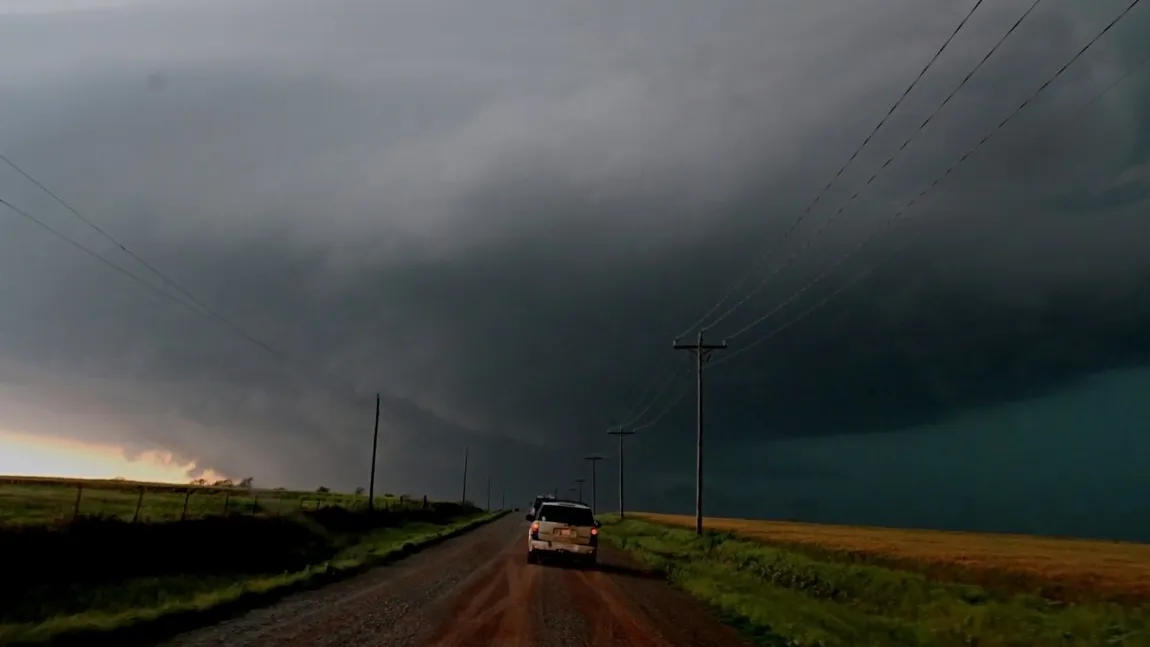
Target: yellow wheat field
{"x":1060,"y":568}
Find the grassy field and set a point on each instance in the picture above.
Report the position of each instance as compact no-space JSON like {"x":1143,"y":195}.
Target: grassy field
{"x":1063,"y":569}
{"x":109,"y":576}
{"x":93,"y":559}
{"x":31,"y":500}
{"x":807,"y":584}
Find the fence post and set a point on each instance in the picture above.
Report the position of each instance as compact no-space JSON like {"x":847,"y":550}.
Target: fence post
{"x":425,"y":502}
{"x":139,"y":503}
{"x":184,"y":512}
{"x":227,"y":497}
{"x":255,"y":504}
{"x":76,"y":507}
{"x":317,"y":504}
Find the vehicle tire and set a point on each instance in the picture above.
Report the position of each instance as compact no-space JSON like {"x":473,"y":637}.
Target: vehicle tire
{"x":531,"y":558}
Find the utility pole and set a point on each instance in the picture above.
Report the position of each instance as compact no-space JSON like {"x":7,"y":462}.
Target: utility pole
{"x":489,"y":494}
{"x":580,"y":482}
{"x":465,"y":451}
{"x":594,"y":458}
{"x":620,"y":432}
{"x":503,"y":501}
{"x":702,"y":354}
{"x":374,"y":447}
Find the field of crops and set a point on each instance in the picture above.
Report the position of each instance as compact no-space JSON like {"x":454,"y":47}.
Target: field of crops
{"x":32,"y":500}
{"x":835,"y":586}
{"x":1058,"y":568}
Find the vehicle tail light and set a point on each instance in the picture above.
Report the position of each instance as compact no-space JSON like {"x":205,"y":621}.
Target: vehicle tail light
{"x":594,"y":536}
{"x":535,"y":530}
{"x":594,"y":531}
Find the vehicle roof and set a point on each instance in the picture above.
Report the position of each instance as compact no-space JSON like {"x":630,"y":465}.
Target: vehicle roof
{"x":568,"y":504}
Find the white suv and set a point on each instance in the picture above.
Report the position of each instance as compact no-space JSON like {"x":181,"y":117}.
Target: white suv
{"x":563,"y":529}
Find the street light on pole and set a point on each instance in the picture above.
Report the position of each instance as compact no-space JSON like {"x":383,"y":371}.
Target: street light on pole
{"x":594,"y":458}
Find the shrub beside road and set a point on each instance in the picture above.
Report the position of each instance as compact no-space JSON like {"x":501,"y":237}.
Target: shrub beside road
{"x":830,"y":586}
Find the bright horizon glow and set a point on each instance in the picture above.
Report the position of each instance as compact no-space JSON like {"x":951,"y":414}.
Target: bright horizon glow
{"x":39,"y":455}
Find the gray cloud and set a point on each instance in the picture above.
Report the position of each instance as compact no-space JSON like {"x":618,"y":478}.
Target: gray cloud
{"x":498,"y":216}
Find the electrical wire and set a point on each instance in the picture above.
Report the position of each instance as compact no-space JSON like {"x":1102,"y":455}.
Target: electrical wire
{"x":837,"y":175}
{"x":1098,"y":96}
{"x":117,"y":268}
{"x":342,"y":389}
{"x":827,"y":223}
{"x":632,"y":419}
{"x":16,"y":167}
{"x":666,"y":410}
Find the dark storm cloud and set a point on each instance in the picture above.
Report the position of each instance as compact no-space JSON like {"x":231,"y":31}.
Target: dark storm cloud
{"x":500,"y":216}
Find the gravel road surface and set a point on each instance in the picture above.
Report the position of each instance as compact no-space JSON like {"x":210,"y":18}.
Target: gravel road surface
{"x":477,"y":590}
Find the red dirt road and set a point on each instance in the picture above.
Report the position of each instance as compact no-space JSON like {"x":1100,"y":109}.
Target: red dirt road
{"x":475,"y":591}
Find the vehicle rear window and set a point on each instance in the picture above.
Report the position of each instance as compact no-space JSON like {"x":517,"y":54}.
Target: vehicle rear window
{"x":567,"y":515}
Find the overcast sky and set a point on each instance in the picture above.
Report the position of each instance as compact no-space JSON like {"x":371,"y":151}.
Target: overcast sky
{"x":499,"y":215}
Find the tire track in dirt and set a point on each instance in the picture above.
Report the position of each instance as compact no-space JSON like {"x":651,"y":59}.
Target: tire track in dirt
{"x":609,"y":621}
{"x":479,"y":591}
{"x":339,"y":624}
{"x":486,"y":593}
{"x":499,"y":612}
{"x":316,"y":617}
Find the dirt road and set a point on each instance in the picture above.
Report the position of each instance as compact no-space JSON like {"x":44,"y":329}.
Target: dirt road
{"x":475,"y":591}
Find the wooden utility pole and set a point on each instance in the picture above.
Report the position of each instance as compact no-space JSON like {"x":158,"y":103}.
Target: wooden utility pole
{"x":465,"y":452}
{"x":702,"y":352}
{"x":580,"y":482}
{"x":620,"y":432}
{"x":374,"y":447}
{"x":594,"y":458}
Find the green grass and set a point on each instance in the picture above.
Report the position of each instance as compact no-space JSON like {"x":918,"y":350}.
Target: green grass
{"x":39,"y":501}
{"x":197,"y":581}
{"x":782,"y":596}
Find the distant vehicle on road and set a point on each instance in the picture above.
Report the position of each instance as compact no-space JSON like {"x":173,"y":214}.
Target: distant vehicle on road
{"x":539,"y":501}
{"x":563,"y":529}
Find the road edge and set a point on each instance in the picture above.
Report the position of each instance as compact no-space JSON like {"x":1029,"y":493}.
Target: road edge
{"x":150,"y":631}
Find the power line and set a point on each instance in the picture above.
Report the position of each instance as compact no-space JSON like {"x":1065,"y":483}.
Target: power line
{"x":97,"y":229}
{"x":634,"y":413}
{"x":202,"y":309}
{"x":837,"y":175}
{"x":827,"y":223}
{"x":621,"y":433}
{"x":1106,"y":90}
{"x":57,"y":233}
{"x":663,"y":389}
{"x":702,"y":352}
{"x":819,"y":304}
{"x":666,"y":410}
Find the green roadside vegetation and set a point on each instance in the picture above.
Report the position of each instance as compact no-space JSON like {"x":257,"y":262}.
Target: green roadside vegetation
{"x":99,"y":579}
{"x":783,"y":595}
{"x":34,"y":501}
